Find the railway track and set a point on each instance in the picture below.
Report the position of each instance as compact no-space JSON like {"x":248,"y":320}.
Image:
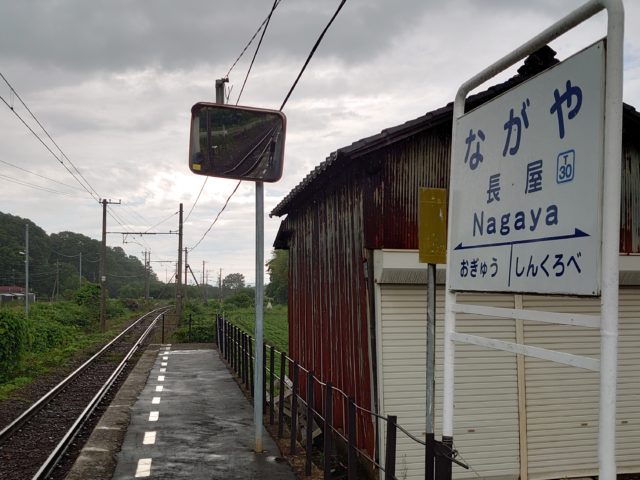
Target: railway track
{"x":36,"y":445}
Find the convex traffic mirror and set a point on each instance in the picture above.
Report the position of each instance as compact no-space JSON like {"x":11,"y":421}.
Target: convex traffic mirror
{"x":237,"y":142}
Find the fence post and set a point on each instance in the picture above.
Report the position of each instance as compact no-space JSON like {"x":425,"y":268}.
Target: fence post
{"x":390,"y":461}
{"x":429,"y":457}
{"x":264,"y":376}
{"x":294,"y":410}
{"x":250,"y":366}
{"x":283,"y":359}
{"x":309,"y":444}
{"x":328,"y":429}
{"x":351,"y":453}
{"x":272,"y":377}
{"x":245,"y":376}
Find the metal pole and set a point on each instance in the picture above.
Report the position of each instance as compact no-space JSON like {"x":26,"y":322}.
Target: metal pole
{"x":431,"y":365}
{"x":26,"y":269}
{"x":103,"y":270}
{"x":179,"y":270}
{"x":611,"y":240}
{"x":257,"y":403}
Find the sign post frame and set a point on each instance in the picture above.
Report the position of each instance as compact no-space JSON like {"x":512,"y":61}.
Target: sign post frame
{"x":608,"y":322}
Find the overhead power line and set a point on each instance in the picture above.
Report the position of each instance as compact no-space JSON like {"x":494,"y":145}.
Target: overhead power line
{"x":84,"y":183}
{"x":266,"y":20}
{"x":295,"y":83}
{"x":255,"y":54}
{"x":217,"y":217}
{"x":313,"y":51}
{"x":34,"y":186}
{"x":41,"y":176}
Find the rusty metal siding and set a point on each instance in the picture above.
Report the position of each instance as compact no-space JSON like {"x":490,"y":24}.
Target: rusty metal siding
{"x":328,"y":330}
{"x":630,"y":206}
{"x":421,"y":161}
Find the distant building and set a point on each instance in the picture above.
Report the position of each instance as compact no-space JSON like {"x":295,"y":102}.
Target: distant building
{"x":13,"y":293}
{"x":357,"y":313}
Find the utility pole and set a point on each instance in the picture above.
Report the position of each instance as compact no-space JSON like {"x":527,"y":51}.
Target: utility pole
{"x":179,"y":270}
{"x":186,"y":271}
{"x":147,"y":273}
{"x":204,"y":285}
{"x":103,"y":266}
{"x":26,"y":269}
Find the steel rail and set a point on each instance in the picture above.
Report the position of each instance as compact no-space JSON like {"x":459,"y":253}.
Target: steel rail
{"x":61,"y":448}
{"x":51,"y":394}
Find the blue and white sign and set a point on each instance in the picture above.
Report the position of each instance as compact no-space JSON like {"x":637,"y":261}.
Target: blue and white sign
{"x":526,"y":186}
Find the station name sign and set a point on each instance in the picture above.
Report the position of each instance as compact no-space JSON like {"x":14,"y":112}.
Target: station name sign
{"x":526,"y":185}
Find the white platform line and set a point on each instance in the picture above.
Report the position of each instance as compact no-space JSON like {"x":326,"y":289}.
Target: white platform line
{"x":153,"y":416}
{"x":149,"y":438}
{"x":144,"y":468}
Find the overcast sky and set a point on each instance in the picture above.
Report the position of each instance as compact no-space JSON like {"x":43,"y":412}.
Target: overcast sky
{"x":113,"y":82}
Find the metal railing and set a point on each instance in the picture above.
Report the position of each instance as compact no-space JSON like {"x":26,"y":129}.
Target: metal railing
{"x":237,"y":347}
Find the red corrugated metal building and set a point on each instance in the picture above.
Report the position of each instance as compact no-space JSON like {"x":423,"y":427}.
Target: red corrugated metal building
{"x":363,"y":198}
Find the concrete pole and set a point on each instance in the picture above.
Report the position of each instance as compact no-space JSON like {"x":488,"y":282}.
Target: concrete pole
{"x":26,"y":269}
{"x":179,"y":270}
{"x":103,"y":270}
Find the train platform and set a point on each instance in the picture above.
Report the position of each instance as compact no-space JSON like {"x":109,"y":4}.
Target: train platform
{"x":180,"y":414}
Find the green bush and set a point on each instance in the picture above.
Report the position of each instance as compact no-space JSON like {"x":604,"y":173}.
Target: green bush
{"x":240,"y":300}
{"x":13,"y":339}
{"x":47,"y":334}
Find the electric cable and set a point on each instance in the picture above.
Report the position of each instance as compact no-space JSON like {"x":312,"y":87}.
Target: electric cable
{"x":295,"y":83}
{"x":217,"y":217}
{"x":255,"y":54}
{"x":97,"y":198}
{"x":41,"y":176}
{"x":34,"y":186}
{"x":264,"y":24}
{"x":313,"y":51}
{"x":14,"y":92}
{"x":162,"y":221}
{"x":252,"y":39}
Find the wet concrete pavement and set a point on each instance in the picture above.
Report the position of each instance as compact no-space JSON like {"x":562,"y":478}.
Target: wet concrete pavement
{"x":189,"y":421}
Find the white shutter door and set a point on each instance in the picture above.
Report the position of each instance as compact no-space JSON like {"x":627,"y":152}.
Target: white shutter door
{"x":486,"y":416}
{"x":563,"y":402}
{"x":628,"y":403}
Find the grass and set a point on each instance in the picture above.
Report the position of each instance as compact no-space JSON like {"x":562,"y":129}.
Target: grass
{"x":36,"y":364}
{"x":276,"y":324}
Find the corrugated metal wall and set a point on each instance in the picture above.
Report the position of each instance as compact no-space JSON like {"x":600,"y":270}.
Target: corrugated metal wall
{"x":630,"y":207}
{"x":413,"y":163}
{"x":328,"y":325}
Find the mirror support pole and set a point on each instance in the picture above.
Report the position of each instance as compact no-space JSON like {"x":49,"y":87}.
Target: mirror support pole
{"x":258,"y":401}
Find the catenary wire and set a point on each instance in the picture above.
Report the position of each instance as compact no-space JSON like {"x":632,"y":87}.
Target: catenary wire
{"x":264,"y":24}
{"x":41,"y":176}
{"x":217,"y":217}
{"x":255,"y":54}
{"x":34,"y":186}
{"x":252,"y":38}
{"x":94,"y":196}
{"x":14,"y":92}
{"x":313,"y":51}
{"x":295,"y":83}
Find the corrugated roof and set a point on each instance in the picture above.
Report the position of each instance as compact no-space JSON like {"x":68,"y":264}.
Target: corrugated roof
{"x":533,"y":65}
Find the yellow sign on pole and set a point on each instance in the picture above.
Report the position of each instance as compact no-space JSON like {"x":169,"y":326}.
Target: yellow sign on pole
{"x":432,"y":225}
